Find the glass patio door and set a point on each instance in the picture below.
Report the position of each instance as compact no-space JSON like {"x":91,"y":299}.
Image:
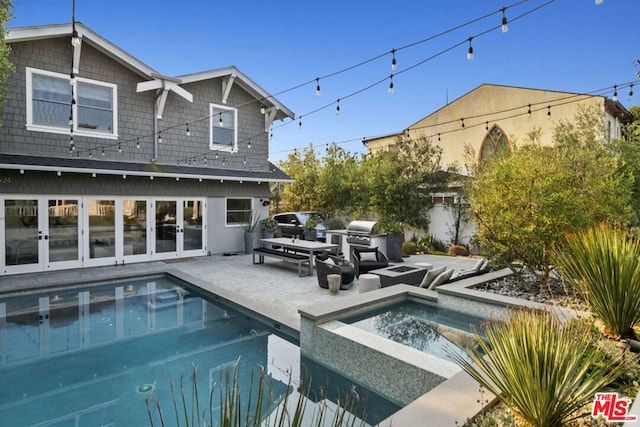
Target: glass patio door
{"x":179,"y":228}
{"x":24,"y":235}
{"x":191,"y":234}
{"x":63,"y":248}
{"x":166,"y":229}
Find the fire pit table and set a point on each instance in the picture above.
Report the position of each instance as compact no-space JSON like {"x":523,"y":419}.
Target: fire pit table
{"x":400,"y":274}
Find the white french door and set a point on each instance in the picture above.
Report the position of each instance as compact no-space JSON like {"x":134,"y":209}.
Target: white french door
{"x":179,"y":228}
{"x":56,"y":232}
{"x":40,"y":233}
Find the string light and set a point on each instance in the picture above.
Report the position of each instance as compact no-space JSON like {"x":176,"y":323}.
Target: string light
{"x":160,"y":137}
{"x":138,"y":143}
{"x":338,"y":107}
{"x":263,"y":109}
{"x":394,"y":64}
{"x":529,"y":111}
{"x":188,"y":132}
{"x":220,"y":121}
{"x":318,"y":92}
{"x":486,"y":127}
{"x":470,"y":51}
{"x":615,"y":92}
{"x":631,"y":90}
{"x":244,"y":160}
{"x":103,"y":153}
{"x":548,"y":111}
{"x":462,"y":122}
{"x":390,"y":90}
{"x":249,"y":144}
{"x":204,"y":161}
{"x":300,"y":122}
{"x":505,"y":24}
{"x":119,"y":148}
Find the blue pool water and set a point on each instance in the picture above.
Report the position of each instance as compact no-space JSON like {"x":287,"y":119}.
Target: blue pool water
{"x":424,"y":326}
{"x":92,"y":355}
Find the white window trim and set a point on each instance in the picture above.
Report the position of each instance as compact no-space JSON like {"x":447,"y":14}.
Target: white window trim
{"x":66,"y":130}
{"x":226,"y":211}
{"x":212,"y":123}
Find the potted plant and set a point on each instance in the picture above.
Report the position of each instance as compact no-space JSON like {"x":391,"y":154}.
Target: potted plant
{"x":309,"y":229}
{"x":250,"y":226}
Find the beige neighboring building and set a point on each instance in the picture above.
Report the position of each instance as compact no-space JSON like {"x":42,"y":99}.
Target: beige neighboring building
{"x":490,"y":117}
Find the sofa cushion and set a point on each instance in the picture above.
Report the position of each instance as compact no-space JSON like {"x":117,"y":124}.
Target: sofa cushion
{"x":368,"y":256}
{"x":431,"y":274}
{"x":442,"y":278}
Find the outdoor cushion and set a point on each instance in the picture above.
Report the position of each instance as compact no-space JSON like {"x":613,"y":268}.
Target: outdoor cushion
{"x":442,"y":278}
{"x":368,"y":256}
{"x":431,"y":274}
{"x":478,"y":265}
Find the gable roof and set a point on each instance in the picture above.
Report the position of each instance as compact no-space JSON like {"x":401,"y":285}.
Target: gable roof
{"x":24,"y":34}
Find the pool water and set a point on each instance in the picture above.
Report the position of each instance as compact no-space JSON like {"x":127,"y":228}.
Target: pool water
{"x":93,"y":355}
{"x":424,"y":326}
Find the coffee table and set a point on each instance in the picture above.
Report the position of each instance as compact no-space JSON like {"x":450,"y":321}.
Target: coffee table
{"x":400,"y":274}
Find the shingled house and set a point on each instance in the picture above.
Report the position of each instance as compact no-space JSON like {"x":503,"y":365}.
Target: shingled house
{"x":103,"y":160}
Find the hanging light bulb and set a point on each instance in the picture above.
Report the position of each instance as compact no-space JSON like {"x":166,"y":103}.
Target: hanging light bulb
{"x":486,"y":127}
{"x":244,"y":160}
{"x":300,"y":122}
{"x":216,"y":154}
{"x":462,"y":123}
{"x":631,"y":90}
{"x":119,"y":148}
{"x":505,"y":25}
{"x":438,"y":137}
{"x":249,"y":145}
{"x":160,"y":138}
{"x":223,"y":162}
{"x":220,"y":121}
{"x":548,"y":111}
{"x":318,"y":92}
{"x":390,"y":90}
{"x":103,"y":153}
{"x":470,"y":51}
{"x":90,"y":154}
{"x":204,"y":160}
{"x":262,"y":109}
{"x":188,"y":132}
{"x":529,"y":111}
{"x":138,"y":143}
{"x":338,"y":108}
{"x":394,"y":64}
{"x":615,"y":92}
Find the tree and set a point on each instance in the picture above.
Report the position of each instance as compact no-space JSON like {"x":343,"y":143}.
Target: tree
{"x":525,"y":201}
{"x":400,"y":181}
{"x":5,"y":65}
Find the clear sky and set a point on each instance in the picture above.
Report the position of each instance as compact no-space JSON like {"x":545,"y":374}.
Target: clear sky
{"x":565,"y":45}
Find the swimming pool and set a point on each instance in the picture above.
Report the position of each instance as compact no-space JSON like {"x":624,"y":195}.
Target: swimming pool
{"x":89,"y":355}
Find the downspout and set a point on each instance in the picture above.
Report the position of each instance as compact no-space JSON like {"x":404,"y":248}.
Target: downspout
{"x":155,"y":132}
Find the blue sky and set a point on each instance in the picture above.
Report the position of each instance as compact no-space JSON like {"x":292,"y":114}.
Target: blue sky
{"x":565,"y":45}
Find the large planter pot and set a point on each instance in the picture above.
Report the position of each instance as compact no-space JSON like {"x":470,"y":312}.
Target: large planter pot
{"x":394,"y":246}
{"x":266,"y":234}
{"x":310,"y":235}
{"x":249,"y":241}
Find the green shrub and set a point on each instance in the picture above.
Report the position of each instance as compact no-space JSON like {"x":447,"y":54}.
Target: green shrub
{"x":530,"y":363}
{"x":409,"y":248}
{"x":458,"y":250}
{"x":334,"y":224}
{"x":603,"y":263}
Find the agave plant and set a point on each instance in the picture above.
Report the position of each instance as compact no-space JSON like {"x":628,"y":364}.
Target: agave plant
{"x":533,"y":366}
{"x":603,"y":263}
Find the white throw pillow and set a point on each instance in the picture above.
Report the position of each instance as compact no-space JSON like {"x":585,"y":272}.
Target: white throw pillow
{"x":330,"y":261}
{"x":368,"y":256}
{"x":431,"y":274}
{"x":478,"y":265}
{"x":443,"y":277}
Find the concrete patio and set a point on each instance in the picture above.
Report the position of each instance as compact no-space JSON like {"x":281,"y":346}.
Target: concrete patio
{"x":272,"y":289}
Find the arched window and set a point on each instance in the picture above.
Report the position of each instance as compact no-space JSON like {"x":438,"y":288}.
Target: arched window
{"x":494,"y":142}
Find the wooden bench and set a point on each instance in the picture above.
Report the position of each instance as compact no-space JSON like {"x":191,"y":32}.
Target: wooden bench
{"x":285,"y":256}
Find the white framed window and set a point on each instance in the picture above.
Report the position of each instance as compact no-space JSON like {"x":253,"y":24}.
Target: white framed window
{"x":223,"y":128}
{"x":49,"y":105}
{"x":237,"y":211}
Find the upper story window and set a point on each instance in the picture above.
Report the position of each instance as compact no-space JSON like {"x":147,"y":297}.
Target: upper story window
{"x":224,"y":126}
{"x":49,"y":105}
{"x":494,"y":142}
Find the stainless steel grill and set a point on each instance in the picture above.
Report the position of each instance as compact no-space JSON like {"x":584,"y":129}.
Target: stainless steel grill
{"x":359,"y":232}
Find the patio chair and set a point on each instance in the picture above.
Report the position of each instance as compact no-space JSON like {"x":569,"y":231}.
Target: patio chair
{"x":365,"y":259}
{"x":328,"y":264}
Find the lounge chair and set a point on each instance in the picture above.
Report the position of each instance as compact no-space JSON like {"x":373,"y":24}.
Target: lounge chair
{"x":480,"y":267}
{"x":328,"y":264}
{"x":365,"y":259}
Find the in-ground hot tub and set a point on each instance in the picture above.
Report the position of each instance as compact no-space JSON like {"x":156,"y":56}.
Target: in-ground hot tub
{"x":352,"y":336}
